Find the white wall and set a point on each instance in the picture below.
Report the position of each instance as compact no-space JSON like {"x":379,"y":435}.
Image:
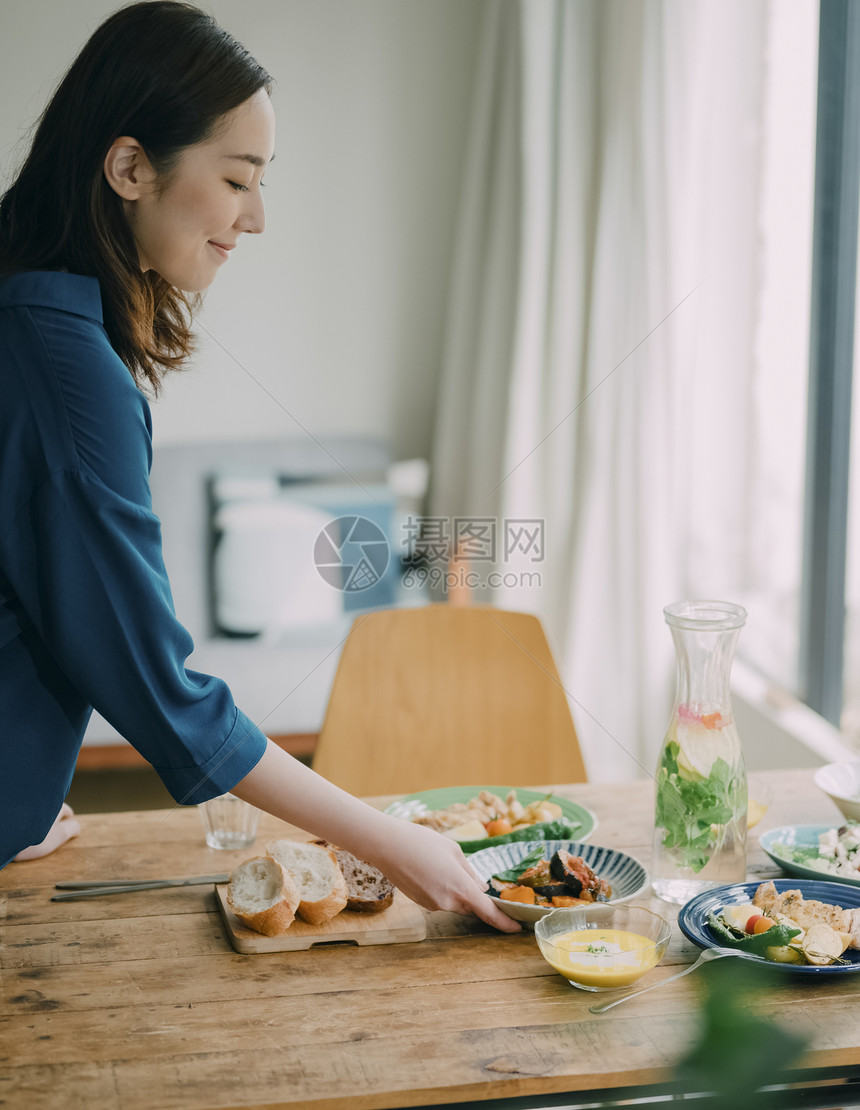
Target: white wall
{"x":332,"y":320}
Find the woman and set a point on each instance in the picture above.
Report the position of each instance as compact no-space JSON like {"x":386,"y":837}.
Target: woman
{"x":144,"y":172}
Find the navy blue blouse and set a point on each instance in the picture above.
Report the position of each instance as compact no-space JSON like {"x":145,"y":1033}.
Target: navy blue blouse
{"x":86,"y":613}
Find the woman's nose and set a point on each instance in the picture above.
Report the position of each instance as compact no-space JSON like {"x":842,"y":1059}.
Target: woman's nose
{"x":253,"y":218}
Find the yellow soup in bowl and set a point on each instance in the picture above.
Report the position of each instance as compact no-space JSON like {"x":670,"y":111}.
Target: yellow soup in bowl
{"x":602,"y":947}
{"x":602,"y":957}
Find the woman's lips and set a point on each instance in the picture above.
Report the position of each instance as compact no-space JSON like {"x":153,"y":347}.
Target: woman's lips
{"x":224,"y":251}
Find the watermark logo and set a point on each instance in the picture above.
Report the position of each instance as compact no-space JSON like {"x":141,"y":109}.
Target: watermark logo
{"x":351,"y":553}
{"x":525,"y":537}
{"x":457,"y":553}
{"x":474,"y":539}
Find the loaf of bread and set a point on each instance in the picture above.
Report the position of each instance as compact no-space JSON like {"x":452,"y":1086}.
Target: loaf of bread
{"x":263,"y":896}
{"x":322,"y":887}
{"x":367,"y":889}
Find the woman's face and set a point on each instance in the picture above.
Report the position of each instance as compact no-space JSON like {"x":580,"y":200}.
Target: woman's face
{"x":185,"y":231}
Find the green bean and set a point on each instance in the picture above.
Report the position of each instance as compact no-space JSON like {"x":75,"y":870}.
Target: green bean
{"x":562,"y":829}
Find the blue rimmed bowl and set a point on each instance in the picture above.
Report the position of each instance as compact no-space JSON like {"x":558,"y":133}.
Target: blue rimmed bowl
{"x":625,"y":874}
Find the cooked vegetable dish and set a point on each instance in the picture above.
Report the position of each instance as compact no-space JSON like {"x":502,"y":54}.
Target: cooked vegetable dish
{"x":787,"y":928}
{"x":488,"y":820}
{"x":562,"y":880}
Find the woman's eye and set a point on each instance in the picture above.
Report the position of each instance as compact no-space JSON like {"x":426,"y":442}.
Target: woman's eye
{"x":239,"y":188}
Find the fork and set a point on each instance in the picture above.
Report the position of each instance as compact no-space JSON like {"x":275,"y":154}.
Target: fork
{"x":706,"y":955}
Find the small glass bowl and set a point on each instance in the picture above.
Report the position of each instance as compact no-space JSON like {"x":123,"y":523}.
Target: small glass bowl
{"x":603,"y":966}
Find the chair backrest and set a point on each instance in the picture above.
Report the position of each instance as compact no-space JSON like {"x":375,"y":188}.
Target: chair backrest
{"x":447,"y":696}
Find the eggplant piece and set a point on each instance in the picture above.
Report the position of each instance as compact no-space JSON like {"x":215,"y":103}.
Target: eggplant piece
{"x":552,"y":890}
{"x":574,"y":886}
{"x":563,"y":869}
{"x":536,"y":876}
{"x":578,"y":877}
{"x":560,"y":864}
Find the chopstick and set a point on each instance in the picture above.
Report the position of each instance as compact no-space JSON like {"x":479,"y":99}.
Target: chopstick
{"x":94,"y":887}
{"x":92,"y":884}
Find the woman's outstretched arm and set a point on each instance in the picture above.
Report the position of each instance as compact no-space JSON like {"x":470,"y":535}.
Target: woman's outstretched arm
{"x":429,"y":868}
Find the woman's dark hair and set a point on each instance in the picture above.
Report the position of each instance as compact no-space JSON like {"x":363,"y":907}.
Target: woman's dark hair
{"x":165,"y":73}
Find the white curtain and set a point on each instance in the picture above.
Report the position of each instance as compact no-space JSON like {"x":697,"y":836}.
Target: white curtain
{"x":598,"y":373}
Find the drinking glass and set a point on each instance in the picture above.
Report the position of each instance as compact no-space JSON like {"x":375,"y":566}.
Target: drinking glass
{"x":229,"y":822}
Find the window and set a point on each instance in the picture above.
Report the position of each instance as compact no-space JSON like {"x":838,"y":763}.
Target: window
{"x":828,"y":639}
{"x":804,"y":556}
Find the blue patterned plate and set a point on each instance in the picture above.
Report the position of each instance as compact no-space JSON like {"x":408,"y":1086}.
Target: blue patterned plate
{"x":625,"y":874}
{"x":693,"y":918}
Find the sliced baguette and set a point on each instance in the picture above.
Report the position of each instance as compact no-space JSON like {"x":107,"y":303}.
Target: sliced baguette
{"x":367,"y":889}
{"x":322,"y":887}
{"x":263,"y":896}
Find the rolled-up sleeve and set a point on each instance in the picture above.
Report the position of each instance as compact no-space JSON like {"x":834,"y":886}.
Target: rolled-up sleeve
{"x":86,"y":564}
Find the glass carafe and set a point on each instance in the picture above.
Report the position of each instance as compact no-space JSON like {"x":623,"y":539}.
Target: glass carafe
{"x":701,"y":810}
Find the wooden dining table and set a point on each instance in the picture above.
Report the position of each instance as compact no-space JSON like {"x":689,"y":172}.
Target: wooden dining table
{"x":138,"y":1001}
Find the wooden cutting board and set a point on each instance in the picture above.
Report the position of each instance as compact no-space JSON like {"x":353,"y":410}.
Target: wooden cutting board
{"x":402,"y":921}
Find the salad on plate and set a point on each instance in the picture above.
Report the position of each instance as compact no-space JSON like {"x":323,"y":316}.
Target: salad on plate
{"x":832,"y":851}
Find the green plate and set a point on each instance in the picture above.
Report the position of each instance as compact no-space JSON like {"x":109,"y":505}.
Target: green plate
{"x":413,"y":805}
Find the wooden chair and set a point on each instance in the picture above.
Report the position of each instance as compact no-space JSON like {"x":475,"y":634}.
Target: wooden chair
{"x":447,"y":696}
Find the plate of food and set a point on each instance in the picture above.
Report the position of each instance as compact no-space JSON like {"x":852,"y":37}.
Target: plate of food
{"x":823,"y":852}
{"x":529,"y":879}
{"x":485,"y":816}
{"x":802,"y":926}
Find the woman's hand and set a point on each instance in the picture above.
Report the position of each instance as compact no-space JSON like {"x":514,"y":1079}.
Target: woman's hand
{"x":64,"y":828}
{"x":431,"y":869}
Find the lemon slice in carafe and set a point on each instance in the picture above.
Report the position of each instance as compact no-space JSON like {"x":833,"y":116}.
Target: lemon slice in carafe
{"x":699,"y":749}
{"x":755,"y":812}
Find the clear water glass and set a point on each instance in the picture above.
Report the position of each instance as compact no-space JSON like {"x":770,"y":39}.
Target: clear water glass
{"x":229,"y":822}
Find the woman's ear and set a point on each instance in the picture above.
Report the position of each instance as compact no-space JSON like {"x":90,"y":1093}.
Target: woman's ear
{"x":127,"y":169}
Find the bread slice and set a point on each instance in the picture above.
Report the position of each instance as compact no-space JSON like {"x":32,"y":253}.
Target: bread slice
{"x":322,"y":887}
{"x":367,"y":889}
{"x":263,"y":896}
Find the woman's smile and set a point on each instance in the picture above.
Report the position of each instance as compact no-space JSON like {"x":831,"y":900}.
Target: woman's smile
{"x":222,"y":249}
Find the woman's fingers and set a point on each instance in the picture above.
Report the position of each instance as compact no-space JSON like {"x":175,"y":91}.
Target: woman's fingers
{"x":64,"y":828}
{"x":486,"y":908}
{"x":488,"y":911}
{"x":69,"y":827}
